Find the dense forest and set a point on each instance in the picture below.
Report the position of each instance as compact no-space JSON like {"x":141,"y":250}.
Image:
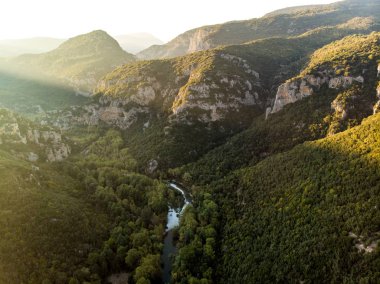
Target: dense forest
{"x":270,"y":127}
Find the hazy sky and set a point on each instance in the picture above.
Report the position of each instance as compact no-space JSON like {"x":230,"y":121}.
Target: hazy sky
{"x":163,"y":18}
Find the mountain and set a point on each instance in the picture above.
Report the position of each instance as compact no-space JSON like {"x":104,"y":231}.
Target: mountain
{"x":16,"y":47}
{"x":274,"y":140}
{"x":204,"y":97}
{"x":335,"y":91}
{"x":288,"y":22}
{"x":137,"y":42}
{"x":284,"y":204}
{"x":79,"y":61}
{"x":314,"y":206}
{"x":61,"y":218}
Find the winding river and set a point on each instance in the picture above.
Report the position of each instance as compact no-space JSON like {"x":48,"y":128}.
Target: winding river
{"x":174,"y":215}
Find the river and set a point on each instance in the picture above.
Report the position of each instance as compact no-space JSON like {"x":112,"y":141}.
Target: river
{"x":174,"y":215}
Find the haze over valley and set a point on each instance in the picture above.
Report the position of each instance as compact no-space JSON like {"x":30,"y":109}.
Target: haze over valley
{"x":239,"y":151}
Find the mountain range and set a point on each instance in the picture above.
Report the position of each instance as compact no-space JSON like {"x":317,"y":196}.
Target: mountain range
{"x":287,"y":22}
{"x":271,"y":125}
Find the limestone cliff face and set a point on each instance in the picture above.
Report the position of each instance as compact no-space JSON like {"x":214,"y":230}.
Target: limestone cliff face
{"x":191,"y":95}
{"x":191,"y":41}
{"x":17,"y":131}
{"x":300,"y":88}
{"x":376,"y":107}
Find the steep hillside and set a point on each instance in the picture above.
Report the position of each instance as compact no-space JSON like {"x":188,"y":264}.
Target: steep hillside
{"x":309,"y":215}
{"x":288,"y":22}
{"x":335,"y":91}
{"x":29,"y":141}
{"x":78,"y":219}
{"x":80,"y":61}
{"x":306,"y":215}
{"x":204,"y":97}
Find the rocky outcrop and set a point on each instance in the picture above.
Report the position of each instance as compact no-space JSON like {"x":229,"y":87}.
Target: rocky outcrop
{"x":362,"y":244}
{"x":191,"y":41}
{"x":15,"y":130}
{"x":110,"y":114}
{"x":376,"y":108}
{"x":300,"y":88}
{"x":344,"y":81}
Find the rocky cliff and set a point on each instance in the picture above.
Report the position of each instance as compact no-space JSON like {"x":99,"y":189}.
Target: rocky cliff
{"x":190,"y":90}
{"x":31,"y":141}
{"x":289,"y":22}
{"x":327,"y":65}
{"x":300,"y":88}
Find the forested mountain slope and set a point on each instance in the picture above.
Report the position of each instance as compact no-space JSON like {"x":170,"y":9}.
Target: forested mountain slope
{"x":75,"y":218}
{"x":335,"y":91}
{"x":190,"y":104}
{"x":79,"y":61}
{"x":309,"y":214}
{"x":284,"y":23}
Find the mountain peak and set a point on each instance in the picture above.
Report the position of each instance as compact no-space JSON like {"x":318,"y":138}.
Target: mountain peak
{"x":97,"y":40}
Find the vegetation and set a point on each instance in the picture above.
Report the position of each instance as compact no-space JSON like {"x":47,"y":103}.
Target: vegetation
{"x":282,"y":23}
{"x":28,"y":96}
{"x":289,"y":198}
{"x":80,"y":61}
{"x":78,"y":220}
{"x":297,"y":213}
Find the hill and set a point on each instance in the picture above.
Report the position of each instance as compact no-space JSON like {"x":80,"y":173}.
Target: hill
{"x":322,"y":196}
{"x":79,"y":61}
{"x":285,"y":206}
{"x":284,"y":23}
{"x":309,"y":214}
{"x":320,"y":101}
{"x":73,"y":207}
{"x":204,"y":97}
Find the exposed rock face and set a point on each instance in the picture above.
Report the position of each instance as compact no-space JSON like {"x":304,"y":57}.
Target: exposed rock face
{"x":360,"y":243}
{"x":56,"y":149}
{"x":188,"y":97}
{"x":191,"y":41}
{"x":109,"y":114}
{"x":376,"y":108}
{"x":339,"y":108}
{"x":344,"y":81}
{"x":152,"y":166}
{"x":198,"y":41}
{"x":298,"y":89}
{"x":16,"y":131}
{"x":276,"y":24}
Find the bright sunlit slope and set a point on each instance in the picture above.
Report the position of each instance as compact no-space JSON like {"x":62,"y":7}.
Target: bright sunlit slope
{"x":80,"y":61}
{"x":296,"y":211}
{"x":325,"y":112}
{"x":284,"y":23}
{"x":203,"y":98}
{"x":310,"y":214}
